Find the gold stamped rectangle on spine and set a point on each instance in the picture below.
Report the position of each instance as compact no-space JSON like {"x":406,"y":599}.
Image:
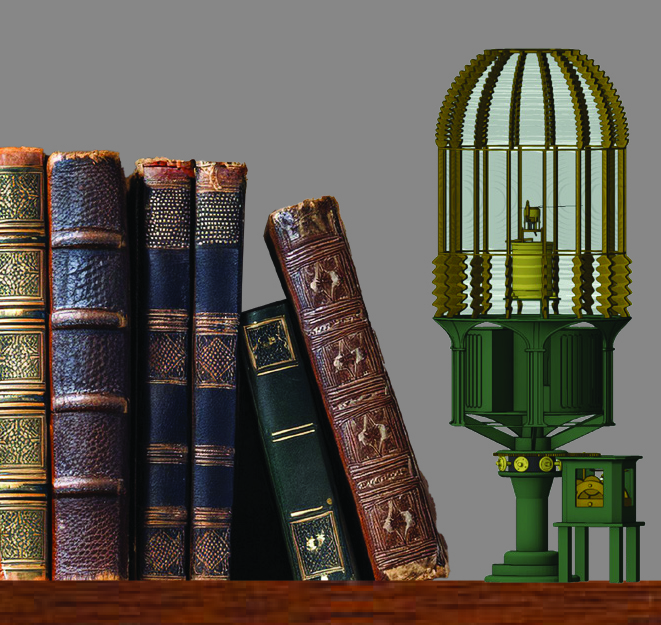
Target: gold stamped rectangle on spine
{"x":24,"y":544}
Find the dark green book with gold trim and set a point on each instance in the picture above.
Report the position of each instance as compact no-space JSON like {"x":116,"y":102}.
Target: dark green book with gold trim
{"x":312,"y":521}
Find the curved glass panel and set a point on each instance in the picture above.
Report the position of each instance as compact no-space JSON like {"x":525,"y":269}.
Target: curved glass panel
{"x":468,"y":131}
{"x":499,"y":114}
{"x":497,"y":194}
{"x":565,"y":120}
{"x":593,"y":113}
{"x":531,"y":125}
{"x":467,"y":180}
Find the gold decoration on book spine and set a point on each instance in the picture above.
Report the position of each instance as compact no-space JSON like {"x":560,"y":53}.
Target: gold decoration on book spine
{"x":211,"y":517}
{"x":22,"y":355}
{"x":317,"y":545}
{"x":164,"y":453}
{"x":165,"y":515}
{"x":22,"y":452}
{"x":215,"y":349}
{"x":23,"y":538}
{"x":164,"y":542}
{"x":21,"y":199}
{"x":167,"y":212}
{"x":269,"y":345}
{"x":21,"y":276}
{"x":23,"y":505}
{"x":220,"y":189}
{"x":213,"y":456}
{"x":211,"y":543}
{"x":168,"y":332}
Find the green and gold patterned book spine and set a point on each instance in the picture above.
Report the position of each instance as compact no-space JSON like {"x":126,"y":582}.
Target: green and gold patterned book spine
{"x":23,"y":367}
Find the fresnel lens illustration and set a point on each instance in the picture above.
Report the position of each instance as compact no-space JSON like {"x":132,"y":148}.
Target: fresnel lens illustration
{"x":532,"y":285}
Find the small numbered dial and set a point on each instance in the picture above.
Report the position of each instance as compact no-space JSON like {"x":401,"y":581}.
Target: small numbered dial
{"x":521,"y":464}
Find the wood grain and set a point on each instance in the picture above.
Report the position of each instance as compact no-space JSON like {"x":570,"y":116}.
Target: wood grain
{"x":328,"y":602}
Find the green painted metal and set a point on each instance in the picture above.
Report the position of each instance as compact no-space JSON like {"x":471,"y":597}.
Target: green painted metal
{"x":532,"y":277}
{"x":582,"y":559}
{"x":619,"y":477}
{"x":532,"y":384}
{"x":633,"y":553}
{"x":609,"y":502}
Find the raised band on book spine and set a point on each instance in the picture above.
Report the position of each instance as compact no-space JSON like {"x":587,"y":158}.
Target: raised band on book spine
{"x":24,"y":540}
{"x":218,"y":253}
{"x":162,"y":194}
{"x":89,"y":366}
{"x":310,"y":250}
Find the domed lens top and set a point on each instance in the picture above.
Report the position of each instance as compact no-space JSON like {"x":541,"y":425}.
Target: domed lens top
{"x":532,"y":189}
{"x":532,"y":98}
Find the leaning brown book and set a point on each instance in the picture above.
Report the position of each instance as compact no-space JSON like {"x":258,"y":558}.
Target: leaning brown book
{"x":309,"y":247}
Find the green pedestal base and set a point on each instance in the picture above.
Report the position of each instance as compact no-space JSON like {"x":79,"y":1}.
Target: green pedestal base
{"x":527,"y":567}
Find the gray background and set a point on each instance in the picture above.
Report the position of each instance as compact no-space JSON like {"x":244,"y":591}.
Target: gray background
{"x":341,"y":98}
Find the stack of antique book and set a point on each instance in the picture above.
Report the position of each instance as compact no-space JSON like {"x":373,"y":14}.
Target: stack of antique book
{"x":121,"y":333}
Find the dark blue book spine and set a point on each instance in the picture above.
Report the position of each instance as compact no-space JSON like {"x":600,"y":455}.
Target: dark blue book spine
{"x":218,"y":258}
{"x":163,"y":201}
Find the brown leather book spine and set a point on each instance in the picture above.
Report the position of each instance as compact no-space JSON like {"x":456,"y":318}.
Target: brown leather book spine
{"x":89,"y":365}
{"x":310,"y":250}
{"x":23,"y":366}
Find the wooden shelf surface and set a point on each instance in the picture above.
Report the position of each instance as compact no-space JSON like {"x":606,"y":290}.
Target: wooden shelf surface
{"x":326,"y":602}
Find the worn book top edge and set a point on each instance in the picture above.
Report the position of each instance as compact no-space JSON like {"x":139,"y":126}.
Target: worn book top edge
{"x":94,"y":155}
{"x":21,"y":157}
{"x":159,"y":163}
{"x":227,"y":177}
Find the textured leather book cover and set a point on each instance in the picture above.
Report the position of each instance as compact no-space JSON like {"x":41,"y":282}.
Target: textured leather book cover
{"x":310,"y":514}
{"x":310,"y":250}
{"x":162,"y":196}
{"x":218,"y":259}
{"x":24,"y":540}
{"x":89,"y":365}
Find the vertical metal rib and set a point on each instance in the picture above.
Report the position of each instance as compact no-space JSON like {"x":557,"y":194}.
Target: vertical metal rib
{"x":451,"y":117}
{"x":515,"y":102}
{"x":578,"y":99}
{"x":549,"y":106}
{"x":614,"y":120}
{"x":486,"y":257}
{"x":622,"y":201}
{"x":482,"y":116}
{"x":546,"y":287}
{"x":442,"y":208}
{"x":576,"y":273}
{"x":555,"y":267}
{"x":455,"y":201}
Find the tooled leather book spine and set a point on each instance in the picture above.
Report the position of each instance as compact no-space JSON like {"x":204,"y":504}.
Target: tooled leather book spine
{"x":309,"y":509}
{"x":89,"y":365}
{"x":310,"y":250}
{"x":23,"y":368}
{"x":218,"y":258}
{"x":162,"y":196}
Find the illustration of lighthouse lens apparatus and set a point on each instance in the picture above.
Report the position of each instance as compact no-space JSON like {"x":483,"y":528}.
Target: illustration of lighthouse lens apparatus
{"x":532,"y":275}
